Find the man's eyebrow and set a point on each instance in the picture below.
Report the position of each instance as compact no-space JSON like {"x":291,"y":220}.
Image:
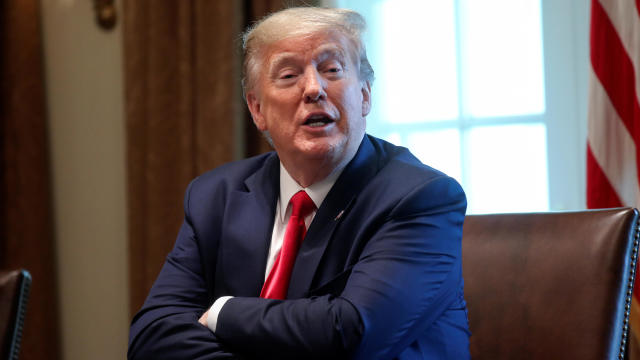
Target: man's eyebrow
{"x":279,"y":60}
{"x":330,"y":51}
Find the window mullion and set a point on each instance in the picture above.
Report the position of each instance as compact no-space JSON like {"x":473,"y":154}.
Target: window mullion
{"x":463,"y":119}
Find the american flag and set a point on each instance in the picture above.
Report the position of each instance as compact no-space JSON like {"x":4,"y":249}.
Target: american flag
{"x":613,"y":156}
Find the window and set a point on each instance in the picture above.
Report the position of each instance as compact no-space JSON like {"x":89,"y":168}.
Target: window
{"x":486,"y":91}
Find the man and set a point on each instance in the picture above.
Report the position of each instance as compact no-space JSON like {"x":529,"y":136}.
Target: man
{"x":377,"y":275}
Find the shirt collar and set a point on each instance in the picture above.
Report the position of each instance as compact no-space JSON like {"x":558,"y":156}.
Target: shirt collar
{"x":317,"y":192}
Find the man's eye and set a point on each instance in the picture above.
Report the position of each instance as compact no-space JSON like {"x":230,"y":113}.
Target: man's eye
{"x":288,"y":75}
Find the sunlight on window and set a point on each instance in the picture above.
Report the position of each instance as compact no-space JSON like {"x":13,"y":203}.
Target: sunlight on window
{"x":502,"y":48}
{"x":508,"y":169}
{"x":439,"y":149}
{"x":394,"y":138}
{"x":417,"y":85}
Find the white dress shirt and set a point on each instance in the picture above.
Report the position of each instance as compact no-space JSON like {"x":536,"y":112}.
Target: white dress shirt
{"x":288,"y":187}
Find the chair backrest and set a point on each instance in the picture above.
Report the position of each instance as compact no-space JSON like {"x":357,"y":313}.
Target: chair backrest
{"x":14,"y":293}
{"x":550,"y":285}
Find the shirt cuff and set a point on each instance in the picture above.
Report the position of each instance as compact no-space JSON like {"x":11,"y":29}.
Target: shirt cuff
{"x":212,"y":318}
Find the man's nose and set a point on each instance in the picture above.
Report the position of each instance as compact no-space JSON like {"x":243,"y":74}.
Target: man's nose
{"x":314,"y":86}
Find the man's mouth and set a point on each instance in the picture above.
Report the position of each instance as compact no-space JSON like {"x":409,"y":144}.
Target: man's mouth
{"x":318,"y":120}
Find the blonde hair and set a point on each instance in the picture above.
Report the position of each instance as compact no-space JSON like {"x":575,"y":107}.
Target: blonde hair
{"x":300,"y":21}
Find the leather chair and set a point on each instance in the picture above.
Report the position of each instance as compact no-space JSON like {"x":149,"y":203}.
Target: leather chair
{"x":550,"y":285}
{"x":14,"y":293}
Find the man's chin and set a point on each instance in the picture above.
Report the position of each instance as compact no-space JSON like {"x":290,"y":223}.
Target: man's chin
{"x":322,"y":149}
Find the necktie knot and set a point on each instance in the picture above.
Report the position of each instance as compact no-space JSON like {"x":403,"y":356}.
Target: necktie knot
{"x":301,"y":204}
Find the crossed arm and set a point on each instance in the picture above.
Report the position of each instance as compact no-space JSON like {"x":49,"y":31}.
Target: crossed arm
{"x":403,"y":279}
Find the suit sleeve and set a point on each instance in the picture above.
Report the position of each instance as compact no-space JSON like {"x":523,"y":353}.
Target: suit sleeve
{"x":167,"y":325}
{"x":405,"y":276}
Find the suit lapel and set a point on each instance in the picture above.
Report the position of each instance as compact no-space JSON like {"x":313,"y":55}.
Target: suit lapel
{"x":249,"y":223}
{"x":333,"y":210}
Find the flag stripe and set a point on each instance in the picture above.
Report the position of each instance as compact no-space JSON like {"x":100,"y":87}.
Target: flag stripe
{"x":600,"y":193}
{"x":625,"y":19}
{"x":612,"y":146}
{"x":613,"y":67}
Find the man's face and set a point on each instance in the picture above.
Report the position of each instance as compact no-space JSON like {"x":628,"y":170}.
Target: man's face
{"x":309,"y":97}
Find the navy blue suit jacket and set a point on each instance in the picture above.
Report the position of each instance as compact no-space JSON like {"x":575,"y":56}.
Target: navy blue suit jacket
{"x":378,"y":276}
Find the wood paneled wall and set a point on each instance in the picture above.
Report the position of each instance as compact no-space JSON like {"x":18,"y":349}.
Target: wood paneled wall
{"x":26,"y":237}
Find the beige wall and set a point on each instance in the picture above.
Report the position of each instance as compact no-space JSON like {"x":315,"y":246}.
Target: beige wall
{"x":83,"y":66}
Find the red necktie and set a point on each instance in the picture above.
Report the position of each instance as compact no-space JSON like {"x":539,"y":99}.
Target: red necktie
{"x":277,"y":282}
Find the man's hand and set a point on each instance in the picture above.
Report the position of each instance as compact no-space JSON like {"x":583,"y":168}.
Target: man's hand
{"x":203,"y":318}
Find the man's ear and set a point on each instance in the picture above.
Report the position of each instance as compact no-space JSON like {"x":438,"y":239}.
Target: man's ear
{"x":254,"y":108}
{"x":366,"y":98}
